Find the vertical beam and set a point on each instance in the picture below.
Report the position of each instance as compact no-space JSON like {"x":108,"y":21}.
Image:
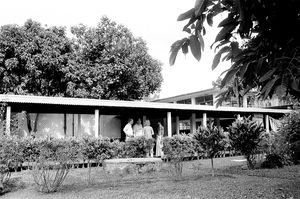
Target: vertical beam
{"x":204,"y":120}
{"x":101,"y":128}
{"x":79,"y":133}
{"x":193,"y":123}
{"x":177,"y":125}
{"x":217,"y":123}
{"x":165,"y":126}
{"x":73,"y":127}
{"x":8,"y":116}
{"x":267,"y":123}
{"x":96,"y":123}
{"x":169,"y":123}
{"x":193,"y":100}
{"x":65,"y":124}
{"x":245,"y":104}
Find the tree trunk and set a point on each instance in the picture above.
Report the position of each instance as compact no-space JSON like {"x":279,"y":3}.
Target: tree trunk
{"x":212,"y":167}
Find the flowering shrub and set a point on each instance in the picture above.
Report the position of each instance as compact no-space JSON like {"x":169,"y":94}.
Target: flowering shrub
{"x":137,"y":147}
{"x":212,"y":140}
{"x":245,"y":136}
{"x":176,"y":148}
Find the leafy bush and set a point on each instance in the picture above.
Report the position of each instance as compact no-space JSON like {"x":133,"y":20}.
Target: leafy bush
{"x":176,"y":148}
{"x":245,"y":136}
{"x":53,"y":163}
{"x":10,"y":158}
{"x":273,"y":160}
{"x":137,"y":147}
{"x":212,"y":140}
{"x":290,"y":131}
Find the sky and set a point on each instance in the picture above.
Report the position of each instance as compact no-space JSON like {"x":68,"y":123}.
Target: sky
{"x":153,"y":20}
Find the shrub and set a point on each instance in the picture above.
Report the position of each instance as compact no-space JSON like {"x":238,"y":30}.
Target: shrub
{"x":273,"y":160}
{"x":245,"y":136}
{"x":53,"y":163}
{"x":137,"y":147}
{"x":10,"y":158}
{"x":290,"y":131}
{"x":176,"y":148}
{"x":212,"y":140}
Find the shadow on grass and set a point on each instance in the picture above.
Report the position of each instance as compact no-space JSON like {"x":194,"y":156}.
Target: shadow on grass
{"x":12,"y":185}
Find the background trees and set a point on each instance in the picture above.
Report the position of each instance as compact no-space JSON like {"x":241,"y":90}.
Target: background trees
{"x":33,"y":59}
{"x":260,"y":37}
{"x":105,"y":62}
{"x":110,"y":63}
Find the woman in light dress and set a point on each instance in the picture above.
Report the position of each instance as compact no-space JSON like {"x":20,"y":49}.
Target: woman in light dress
{"x":148,"y":132}
{"x":159,"y":142}
{"x":138,"y":129}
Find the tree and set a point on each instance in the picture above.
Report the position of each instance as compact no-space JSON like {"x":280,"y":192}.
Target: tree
{"x":33,"y":59}
{"x":110,"y":63}
{"x":260,"y":37}
{"x":245,"y":136}
{"x":212,"y":140}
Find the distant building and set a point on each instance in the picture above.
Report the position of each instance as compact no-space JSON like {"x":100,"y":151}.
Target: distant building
{"x":209,"y":97}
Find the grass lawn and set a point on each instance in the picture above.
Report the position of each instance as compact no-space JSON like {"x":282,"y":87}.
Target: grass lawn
{"x":232,"y":180}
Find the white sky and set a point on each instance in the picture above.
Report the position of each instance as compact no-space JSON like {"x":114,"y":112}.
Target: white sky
{"x":153,"y":20}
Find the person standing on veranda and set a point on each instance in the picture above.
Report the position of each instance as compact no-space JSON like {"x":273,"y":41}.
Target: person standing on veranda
{"x":138,"y":128}
{"x":148,"y":132}
{"x":128,"y":129}
{"x":159,"y":142}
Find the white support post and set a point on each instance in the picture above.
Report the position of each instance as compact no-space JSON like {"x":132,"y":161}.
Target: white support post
{"x":245,"y":103}
{"x":96,"y":123}
{"x":169,"y":124}
{"x":177,"y":125}
{"x":193,"y":123}
{"x":8,"y":117}
{"x":204,"y":120}
{"x":193,"y":100}
{"x":267,"y":123}
{"x":101,"y":125}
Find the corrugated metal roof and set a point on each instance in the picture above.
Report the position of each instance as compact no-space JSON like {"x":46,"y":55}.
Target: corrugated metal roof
{"x":128,"y":104}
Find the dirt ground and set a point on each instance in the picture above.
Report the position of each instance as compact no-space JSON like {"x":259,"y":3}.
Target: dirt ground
{"x":232,"y":180}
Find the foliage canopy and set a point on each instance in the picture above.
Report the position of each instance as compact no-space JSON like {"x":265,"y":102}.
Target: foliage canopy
{"x":260,"y":38}
{"x":105,"y":61}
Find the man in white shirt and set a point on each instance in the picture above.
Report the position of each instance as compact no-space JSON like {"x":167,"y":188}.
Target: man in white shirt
{"x":128,"y":129}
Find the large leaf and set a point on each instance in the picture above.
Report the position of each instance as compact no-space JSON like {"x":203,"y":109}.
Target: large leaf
{"x":188,"y":14}
{"x":209,"y":19}
{"x":267,"y":75}
{"x":195,"y":47}
{"x":217,"y":57}
{"x":268,"y":87}
{"x":226,"y":21}
{"x":228,"y":77}
{"x":199,"y":7}
{"x":243,"y":69}
{"x":295,"y":85}
{"x":201,"y":41}
{"x":174,"y":50}
{"x":191,"y":21}
{"x":225,"y":32}
{"x":185,"y":48}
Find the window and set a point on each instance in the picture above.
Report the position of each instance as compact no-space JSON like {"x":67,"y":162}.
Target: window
{"x":205,"y":100}
{"x":186,"y":101}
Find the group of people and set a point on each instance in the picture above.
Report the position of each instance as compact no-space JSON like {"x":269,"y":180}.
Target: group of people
{"x":138,"y":130}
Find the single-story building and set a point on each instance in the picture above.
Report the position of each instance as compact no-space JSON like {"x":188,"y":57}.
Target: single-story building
{"x":61,"y":116}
